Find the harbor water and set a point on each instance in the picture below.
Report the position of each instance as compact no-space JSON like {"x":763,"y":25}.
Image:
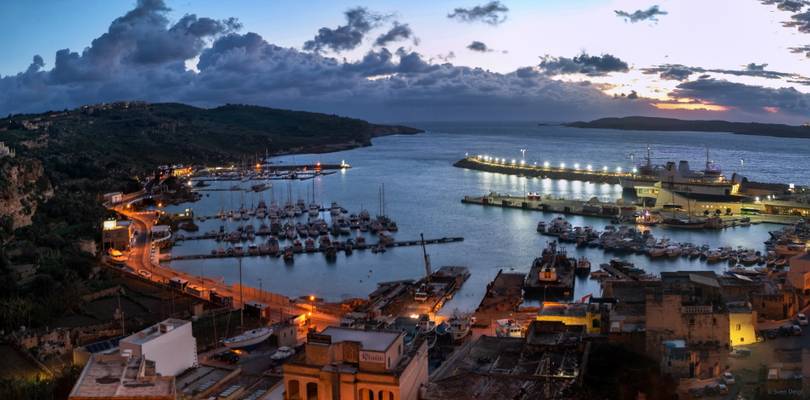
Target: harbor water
{"x":423,"y":192}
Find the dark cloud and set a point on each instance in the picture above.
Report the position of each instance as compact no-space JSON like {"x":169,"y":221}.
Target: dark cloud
{"x":492,"y":13}
{"x":583,"y":64}
{"x":396,"y":33}
{"x":673,"y":72}
{"x":801,"y":49}
{"x":480,"y":47}
{"x":787,"y":5}
{"x":749,"y":98}
{"x":800,"y":22}
{"x":633,"y":95}
{"x":359,"y":21}
{"x":682,"y":72}
{"x":650,"y":14}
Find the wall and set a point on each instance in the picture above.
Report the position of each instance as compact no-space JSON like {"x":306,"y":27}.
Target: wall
{"x":742,"y":328}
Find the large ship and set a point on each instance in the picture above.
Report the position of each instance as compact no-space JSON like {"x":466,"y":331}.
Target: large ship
{"x":551,"y":276}
{"x":650,"y":180}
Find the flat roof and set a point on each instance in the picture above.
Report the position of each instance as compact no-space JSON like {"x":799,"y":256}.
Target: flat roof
{"x":154,"y":331}
{"x":369,"y":340}
{"x":111,"y":376}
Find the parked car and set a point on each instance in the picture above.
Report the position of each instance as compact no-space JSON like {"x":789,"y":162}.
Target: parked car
{"x":144,"y":273}
{"x":801,"y":319}
{"x":740,"y":352}
{"x":796,"y":330}
{"x":728,"y":378}
{"x":282,"y":353}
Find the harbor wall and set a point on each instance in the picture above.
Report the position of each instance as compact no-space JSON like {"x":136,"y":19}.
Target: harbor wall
{"x":541,"y":172}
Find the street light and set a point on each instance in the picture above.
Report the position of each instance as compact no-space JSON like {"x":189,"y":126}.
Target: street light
{"x":546,"y":164}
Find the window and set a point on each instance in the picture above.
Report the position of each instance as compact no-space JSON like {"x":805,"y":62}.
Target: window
{"x":739,"y":327}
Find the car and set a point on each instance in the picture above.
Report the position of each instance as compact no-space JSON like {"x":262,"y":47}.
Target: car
{"x":721,"y":388}
{"x":282,"y":353}
{"x":801,"y":319}
{"x":772,"y":334}
{"x":144,"y":273}
{"x":728,"y":378}
{"x":740,"y":352}
{"x":796,"y":330}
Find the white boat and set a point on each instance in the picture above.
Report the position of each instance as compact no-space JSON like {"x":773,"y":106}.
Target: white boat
{"x":459,"y":327}
{"x":249,"y":338}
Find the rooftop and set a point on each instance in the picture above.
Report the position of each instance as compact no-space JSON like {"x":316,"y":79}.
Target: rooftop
{"x":369,"y":340}
{"x":116,"y":376}
{"x":154,"y":331}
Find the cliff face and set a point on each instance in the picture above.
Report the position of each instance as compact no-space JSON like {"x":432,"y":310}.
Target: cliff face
{"x":23,"y":186}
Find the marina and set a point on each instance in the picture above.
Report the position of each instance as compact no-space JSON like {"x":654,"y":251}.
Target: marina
{"x":358,"y":188}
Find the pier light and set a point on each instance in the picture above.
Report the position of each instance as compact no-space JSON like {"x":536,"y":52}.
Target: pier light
{"x":756,"y":199}
{"x":605,"y":168}
{"x":619,"y":169}
{"x":589,"y":167}
{"x":545,"y":164}
{"x":562,"y":165}
{"x":635,"y":170}
{"x":514,"y":161}
{"x":576,"y":165}
{"x":535,"y":163}
{"x":522,"y":162}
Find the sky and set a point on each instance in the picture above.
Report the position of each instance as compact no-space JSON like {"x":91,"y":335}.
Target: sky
{"x":550,"y":60}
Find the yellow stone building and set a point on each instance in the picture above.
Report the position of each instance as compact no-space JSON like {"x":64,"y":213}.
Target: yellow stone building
{"x":354,"y":364}
{"x":741,"y":324}
{"x":572,"y":314}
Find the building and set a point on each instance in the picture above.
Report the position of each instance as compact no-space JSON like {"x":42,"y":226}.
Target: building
{"x":122,"y":376}
{"x":113,"y":197}
{"x":799,"y":273}
{"x":116,"y":234}
{"x":6,"y":151}
{"x":353,"y":364}
{"x":798,"y":206}
{"x":572,"y":314}
{"x":742,"y":323}
{"x":548,"y":363}
{"x":688,"y":306}
{"x":169,"y":344}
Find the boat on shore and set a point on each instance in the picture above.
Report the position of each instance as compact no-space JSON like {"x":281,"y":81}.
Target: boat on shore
{"x":248,"y":339}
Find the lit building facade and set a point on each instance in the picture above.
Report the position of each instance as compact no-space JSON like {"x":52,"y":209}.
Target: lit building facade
{"x":353,"y":364}
{"x":116,"y":234}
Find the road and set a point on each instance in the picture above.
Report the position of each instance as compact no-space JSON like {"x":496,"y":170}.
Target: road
{"x":140,"y":259}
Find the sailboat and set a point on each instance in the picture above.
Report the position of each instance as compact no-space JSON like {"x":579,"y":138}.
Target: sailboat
{"x":246,"y":339}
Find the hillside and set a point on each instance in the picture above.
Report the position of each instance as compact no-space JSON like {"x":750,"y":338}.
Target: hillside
{"x":672,"y":124}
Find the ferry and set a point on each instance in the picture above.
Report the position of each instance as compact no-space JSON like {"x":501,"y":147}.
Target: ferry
{"x":248,"y":339}
{"x":678,"y":178}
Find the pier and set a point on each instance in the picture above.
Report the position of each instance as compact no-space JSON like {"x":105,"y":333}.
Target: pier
{"x":399,"y":243}
{"x":515,"y":167}
{"x":602,"y":209}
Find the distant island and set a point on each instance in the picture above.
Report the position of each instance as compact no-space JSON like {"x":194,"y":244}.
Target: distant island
{"x":672,"y":124}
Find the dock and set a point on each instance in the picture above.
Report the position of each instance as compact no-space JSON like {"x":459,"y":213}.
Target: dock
{"x":400,"y":243}
{"x":602,"y":209}
{"x":502,"y":299}
{"x":590,"y":208}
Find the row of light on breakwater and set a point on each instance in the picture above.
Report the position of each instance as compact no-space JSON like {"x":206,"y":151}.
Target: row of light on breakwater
{"x":546,"y":164}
